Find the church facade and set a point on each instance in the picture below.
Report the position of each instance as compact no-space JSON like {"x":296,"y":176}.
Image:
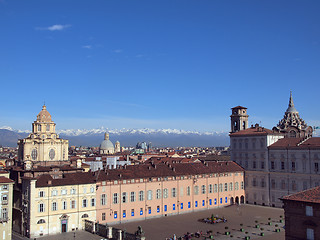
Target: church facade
{"x":43,"y":144}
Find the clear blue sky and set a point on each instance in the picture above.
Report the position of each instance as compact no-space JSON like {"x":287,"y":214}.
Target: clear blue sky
{"x":158,"y":64}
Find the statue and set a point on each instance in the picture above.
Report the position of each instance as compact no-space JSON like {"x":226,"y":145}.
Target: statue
{"x":139,"y":232}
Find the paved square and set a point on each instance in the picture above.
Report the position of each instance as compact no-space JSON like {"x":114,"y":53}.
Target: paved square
{"x":165,"y":227}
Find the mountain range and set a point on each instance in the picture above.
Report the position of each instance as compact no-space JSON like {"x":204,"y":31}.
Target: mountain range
{"x":127,"y":137}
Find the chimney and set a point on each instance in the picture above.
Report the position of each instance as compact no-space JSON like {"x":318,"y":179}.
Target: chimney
{"x":49,"y":182}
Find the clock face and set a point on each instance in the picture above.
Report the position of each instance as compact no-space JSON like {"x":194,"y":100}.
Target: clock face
{"x":52,"y":154}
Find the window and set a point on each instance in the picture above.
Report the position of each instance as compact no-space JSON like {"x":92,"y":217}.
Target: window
{"x":92,"y":189}
{"x":84,"y":190}
{"x":294,"y":185}
{"x":141,"y":196}
{"x":54,"y":206}
{"x":230,"y":186}
{"x":84,"y":203}
{"x":85,"y":215}
{"x":210,"y":188}
{"x":226,"y":187}
{"x":272,"y":164}
{"x":282,"y":165}
{"x":34,"y":154}
{"x":165,"y":193}
{"x":149,"y":195}
{"x":64,"y":205}
{"x":115,"y":198}
{"x":93,"y":202}
{"x":262,"y":183}
{"x":273,"y":184}
{"x":63,"y":191}
{"x":41,"y":194}
{"x":4,"y":199}
{"x":115,"y":214}
{"x":316,"y":167}
{"x":236,"y":186}
{"x":132,"y":196}
{"x":254,"y":164}
{"x":124,"y":197}
{"x":215,"y":189}
{"x":141,"y":211}
{"x":41,"y":207}
{"x":173,"y":192}
{"x":124,"y":213}
{"x":73,"y":204}
{"x":5,"y":187}
{"x":196,"y":203}
{"x":181,"y":191}
{"x":103,"y":216}
{"x":262,"y":165}
{"x":293,"y":166}
{"x":103,"y":199}
{"x":203,"y":203}
{"x":165,"y":207}
{"x":220,"y":187}
{"x":73,"y":191}
{"x":242,"y":185}
{"x":310,"y":234}
{"x":309,"y":211}
{"x":283,"y":184}
{"x":196,"y":190}
{"x":188,"y":191}
{"x":132,"y":212}
{"x":149,"y":210}
{"x":41,"y":221}
{"x":158,"y":194}
{"x":203,"y":189}
{"x":54,"y":193}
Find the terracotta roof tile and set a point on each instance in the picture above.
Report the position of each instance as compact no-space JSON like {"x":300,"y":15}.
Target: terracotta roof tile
{"x":255,"y":130}
{"x":296,"y":143}
{"x":5,"y":180}
{"x":310,"y":195}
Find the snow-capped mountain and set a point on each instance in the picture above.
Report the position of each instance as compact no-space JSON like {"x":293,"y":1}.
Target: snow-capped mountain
{"x":127,"y":137}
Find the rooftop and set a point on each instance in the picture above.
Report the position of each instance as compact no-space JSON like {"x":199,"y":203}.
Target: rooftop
{"x":310,"y":195}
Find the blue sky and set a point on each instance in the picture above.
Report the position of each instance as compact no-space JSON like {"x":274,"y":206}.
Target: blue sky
{"x":158,"y":64}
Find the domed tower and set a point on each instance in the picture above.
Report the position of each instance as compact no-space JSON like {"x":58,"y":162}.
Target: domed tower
{"x":291,"y":125}
{"x":117,"y":147}
{"x":106,"y":146}
{"x":43,"y":144}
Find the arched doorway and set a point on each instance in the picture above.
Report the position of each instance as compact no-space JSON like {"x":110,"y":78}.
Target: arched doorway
{"x":237,"y":200}
{"x":231,"y":201}
{"x":242,"y":199}
{"x":64,"y":223}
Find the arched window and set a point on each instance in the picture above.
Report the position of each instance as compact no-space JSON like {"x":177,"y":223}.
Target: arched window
{"x":292,"y":134}
{"x":41,"y":221}
{"x":84,"y":215}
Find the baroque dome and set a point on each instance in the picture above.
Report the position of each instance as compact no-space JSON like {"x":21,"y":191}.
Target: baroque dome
{"x":106,"y":144}
{"x":44,"y":115}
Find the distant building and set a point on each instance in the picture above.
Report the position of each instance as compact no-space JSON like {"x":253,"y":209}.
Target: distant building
{"x":106,"y":146}
{"x":302,"y":214}
{"x":6,"y":204}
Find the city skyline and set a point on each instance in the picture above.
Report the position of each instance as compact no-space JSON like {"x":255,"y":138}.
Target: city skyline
{"x":157,"y":65}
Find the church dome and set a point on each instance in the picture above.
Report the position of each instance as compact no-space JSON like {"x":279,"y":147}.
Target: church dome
{"x":106,"y":144}
{"x":44,"y":115}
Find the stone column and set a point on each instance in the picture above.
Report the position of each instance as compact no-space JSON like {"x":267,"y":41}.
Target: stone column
{"x":109,"y":232}
{"x":119,"y":234}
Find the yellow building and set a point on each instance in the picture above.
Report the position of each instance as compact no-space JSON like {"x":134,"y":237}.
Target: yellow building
{"x":54,"y":206}
{"x":43,"y":144}
{"x":6,"y":199}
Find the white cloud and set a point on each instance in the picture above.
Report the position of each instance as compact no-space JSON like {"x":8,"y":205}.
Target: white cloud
{"x":87,"y":46}
{"x":56,"y":27}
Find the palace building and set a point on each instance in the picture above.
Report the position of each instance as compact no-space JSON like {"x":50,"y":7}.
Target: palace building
{"x":277,"y":162}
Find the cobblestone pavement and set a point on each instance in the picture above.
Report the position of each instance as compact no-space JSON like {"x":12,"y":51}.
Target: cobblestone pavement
{"x":165,"y":227}
{"x":79,"y":235}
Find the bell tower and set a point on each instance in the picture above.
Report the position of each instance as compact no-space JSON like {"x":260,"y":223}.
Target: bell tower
{"x":239,"y":119}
